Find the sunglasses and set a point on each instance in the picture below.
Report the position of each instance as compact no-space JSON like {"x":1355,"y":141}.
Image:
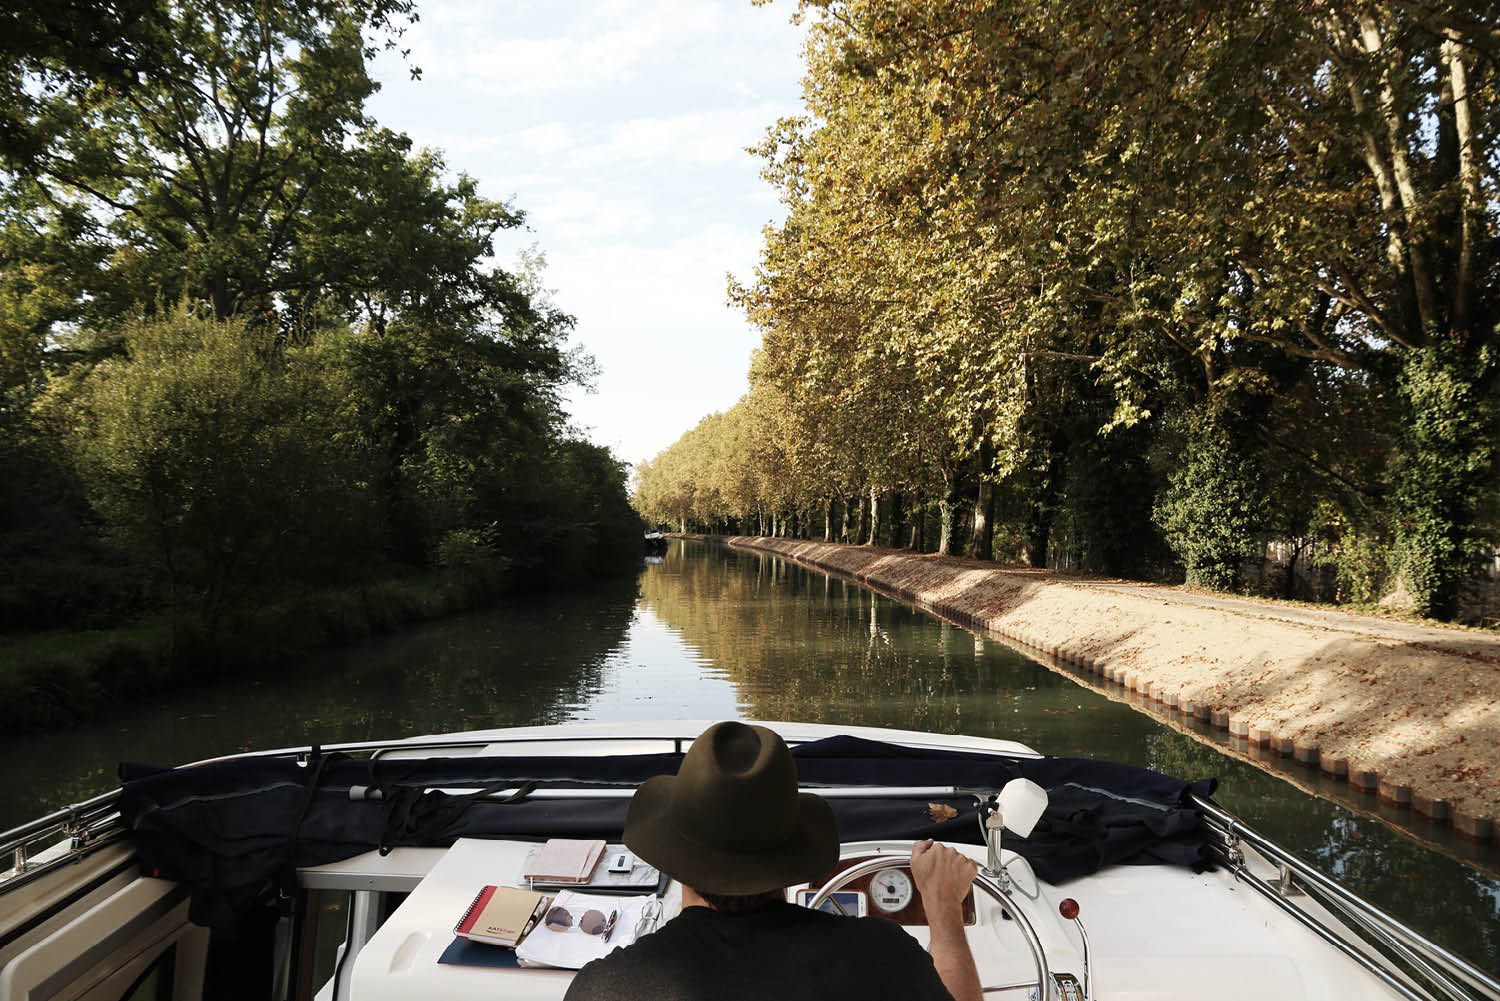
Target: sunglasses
{"x":591,"y":922}
{"x":650,"y":914}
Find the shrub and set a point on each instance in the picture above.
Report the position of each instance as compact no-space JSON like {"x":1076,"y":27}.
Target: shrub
{"x":1211,"y":510}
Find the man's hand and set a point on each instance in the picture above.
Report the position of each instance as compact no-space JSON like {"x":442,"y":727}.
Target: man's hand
{"x":944,"y":876}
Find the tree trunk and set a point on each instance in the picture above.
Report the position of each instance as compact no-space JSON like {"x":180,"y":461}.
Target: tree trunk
{"x":1044,"y":504}
{"x":1037,"y":540}
{"x":1289,"y":585}
{"x":893,"y":526}
{"x":947,"y":514}
{"x":874,"y":517}
{"x":859,"y":522}
{"x":828,"y":520}
{"x":982,"y":542}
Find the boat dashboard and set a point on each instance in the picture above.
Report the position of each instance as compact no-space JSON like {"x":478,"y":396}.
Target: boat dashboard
{"x":890,"y":892}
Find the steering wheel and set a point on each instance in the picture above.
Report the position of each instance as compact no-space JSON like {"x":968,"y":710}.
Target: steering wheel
{"x":1042,"y":986}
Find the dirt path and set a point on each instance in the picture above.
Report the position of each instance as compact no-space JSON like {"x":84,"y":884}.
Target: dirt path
{"x":1405,"y":711}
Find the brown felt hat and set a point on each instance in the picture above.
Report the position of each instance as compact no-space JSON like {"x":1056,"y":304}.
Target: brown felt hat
{"x":731,"y":820}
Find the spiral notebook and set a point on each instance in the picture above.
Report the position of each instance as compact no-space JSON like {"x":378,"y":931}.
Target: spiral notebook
{"x":501,"y":915}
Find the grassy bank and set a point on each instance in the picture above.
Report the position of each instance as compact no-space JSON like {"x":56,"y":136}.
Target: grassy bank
{"x":55,"y":678}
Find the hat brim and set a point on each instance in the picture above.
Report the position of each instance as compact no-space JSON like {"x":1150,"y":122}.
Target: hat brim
{"x":810,"y":853}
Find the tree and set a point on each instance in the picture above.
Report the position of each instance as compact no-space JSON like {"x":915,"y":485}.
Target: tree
{"x":1279,"y":214}
{"x":202,"y":164}
{"x":221,"y":456}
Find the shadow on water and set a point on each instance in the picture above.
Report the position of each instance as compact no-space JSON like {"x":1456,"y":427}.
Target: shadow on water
{"x":519,"y":662}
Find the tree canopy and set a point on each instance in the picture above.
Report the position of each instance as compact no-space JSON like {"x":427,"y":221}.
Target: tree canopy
{"x":251,"y":339}
{"x":1238,"y":260}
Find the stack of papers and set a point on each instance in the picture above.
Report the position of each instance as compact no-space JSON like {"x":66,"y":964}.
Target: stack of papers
{"x":570,"y":946}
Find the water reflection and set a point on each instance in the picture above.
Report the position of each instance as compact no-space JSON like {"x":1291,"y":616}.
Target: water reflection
{"x":802,"y":646}
{"x":525,"y":661}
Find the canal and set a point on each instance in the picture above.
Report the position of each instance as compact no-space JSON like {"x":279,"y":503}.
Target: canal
{"x":713,"y":633}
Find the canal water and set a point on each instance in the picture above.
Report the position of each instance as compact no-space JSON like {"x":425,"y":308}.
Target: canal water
{"x":713,"y":633}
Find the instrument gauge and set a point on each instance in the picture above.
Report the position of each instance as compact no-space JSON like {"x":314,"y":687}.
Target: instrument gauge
{"x":891,"y":890}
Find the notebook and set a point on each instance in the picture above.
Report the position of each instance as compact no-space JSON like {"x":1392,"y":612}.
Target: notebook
{"x":564,"y":860}
{"x":501,"y":915}
{"x":631,"y":877}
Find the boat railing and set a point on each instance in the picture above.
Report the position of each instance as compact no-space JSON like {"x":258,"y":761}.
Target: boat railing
{"x":1423,"y":971}
{"x":93,"y":823}
{"x":33,"y":847}
{"x":67,"y":835}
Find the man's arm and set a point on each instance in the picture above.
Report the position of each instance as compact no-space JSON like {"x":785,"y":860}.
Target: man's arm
{"x":944,"y":877}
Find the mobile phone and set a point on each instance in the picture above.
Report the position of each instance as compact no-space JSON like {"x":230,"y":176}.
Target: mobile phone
{"x":852,"y":902}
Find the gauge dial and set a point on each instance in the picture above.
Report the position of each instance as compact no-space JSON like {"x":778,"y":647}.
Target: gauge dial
{"x":891,"y":890}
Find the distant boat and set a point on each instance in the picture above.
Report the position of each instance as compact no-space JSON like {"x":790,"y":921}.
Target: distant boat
{"x":655,"y":544}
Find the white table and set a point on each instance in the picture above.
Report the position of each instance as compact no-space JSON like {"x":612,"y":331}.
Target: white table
{"x":400,"y":961}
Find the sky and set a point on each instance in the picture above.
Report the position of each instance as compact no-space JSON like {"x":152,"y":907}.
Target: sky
{"x":619,"y":127}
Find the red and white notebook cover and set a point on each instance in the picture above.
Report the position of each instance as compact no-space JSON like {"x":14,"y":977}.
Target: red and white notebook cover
{"x":500,"y":915}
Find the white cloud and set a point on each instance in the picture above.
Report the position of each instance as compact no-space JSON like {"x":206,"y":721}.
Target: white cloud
{"x":619,"y":126}
{"x":547,"y":139}
{"x":529,"y":66}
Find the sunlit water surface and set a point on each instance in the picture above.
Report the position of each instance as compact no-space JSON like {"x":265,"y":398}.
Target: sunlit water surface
{"x":713,"y":633}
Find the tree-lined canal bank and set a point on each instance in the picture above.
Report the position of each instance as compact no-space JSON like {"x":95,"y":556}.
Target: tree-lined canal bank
{"x":715,"y":632}
{"x":1406,"y":713}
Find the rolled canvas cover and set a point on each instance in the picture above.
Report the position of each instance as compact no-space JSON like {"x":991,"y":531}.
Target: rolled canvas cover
{"x":230,"y":828}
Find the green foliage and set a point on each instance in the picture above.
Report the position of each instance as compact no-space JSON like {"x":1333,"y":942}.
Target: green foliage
{"x":1445,"y":473}
{"x":220,"y":456}
{"x":1105,"y":505}
{"x":253,"y":345}
{"x":1212,"y":510}
{"x":51,"y":679}
{"x":1363,"y":567}
{"x":1036,"y":236}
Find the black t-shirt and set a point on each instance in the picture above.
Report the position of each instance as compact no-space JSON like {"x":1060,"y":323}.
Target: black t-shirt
{"x":782,"y":952}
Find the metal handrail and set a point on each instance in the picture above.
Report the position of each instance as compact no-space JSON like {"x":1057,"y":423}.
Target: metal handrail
{"x":54,"y":822}
{"x":1444,"y":971}
{"x":99,"y":814}
{"x":59,"y":822}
